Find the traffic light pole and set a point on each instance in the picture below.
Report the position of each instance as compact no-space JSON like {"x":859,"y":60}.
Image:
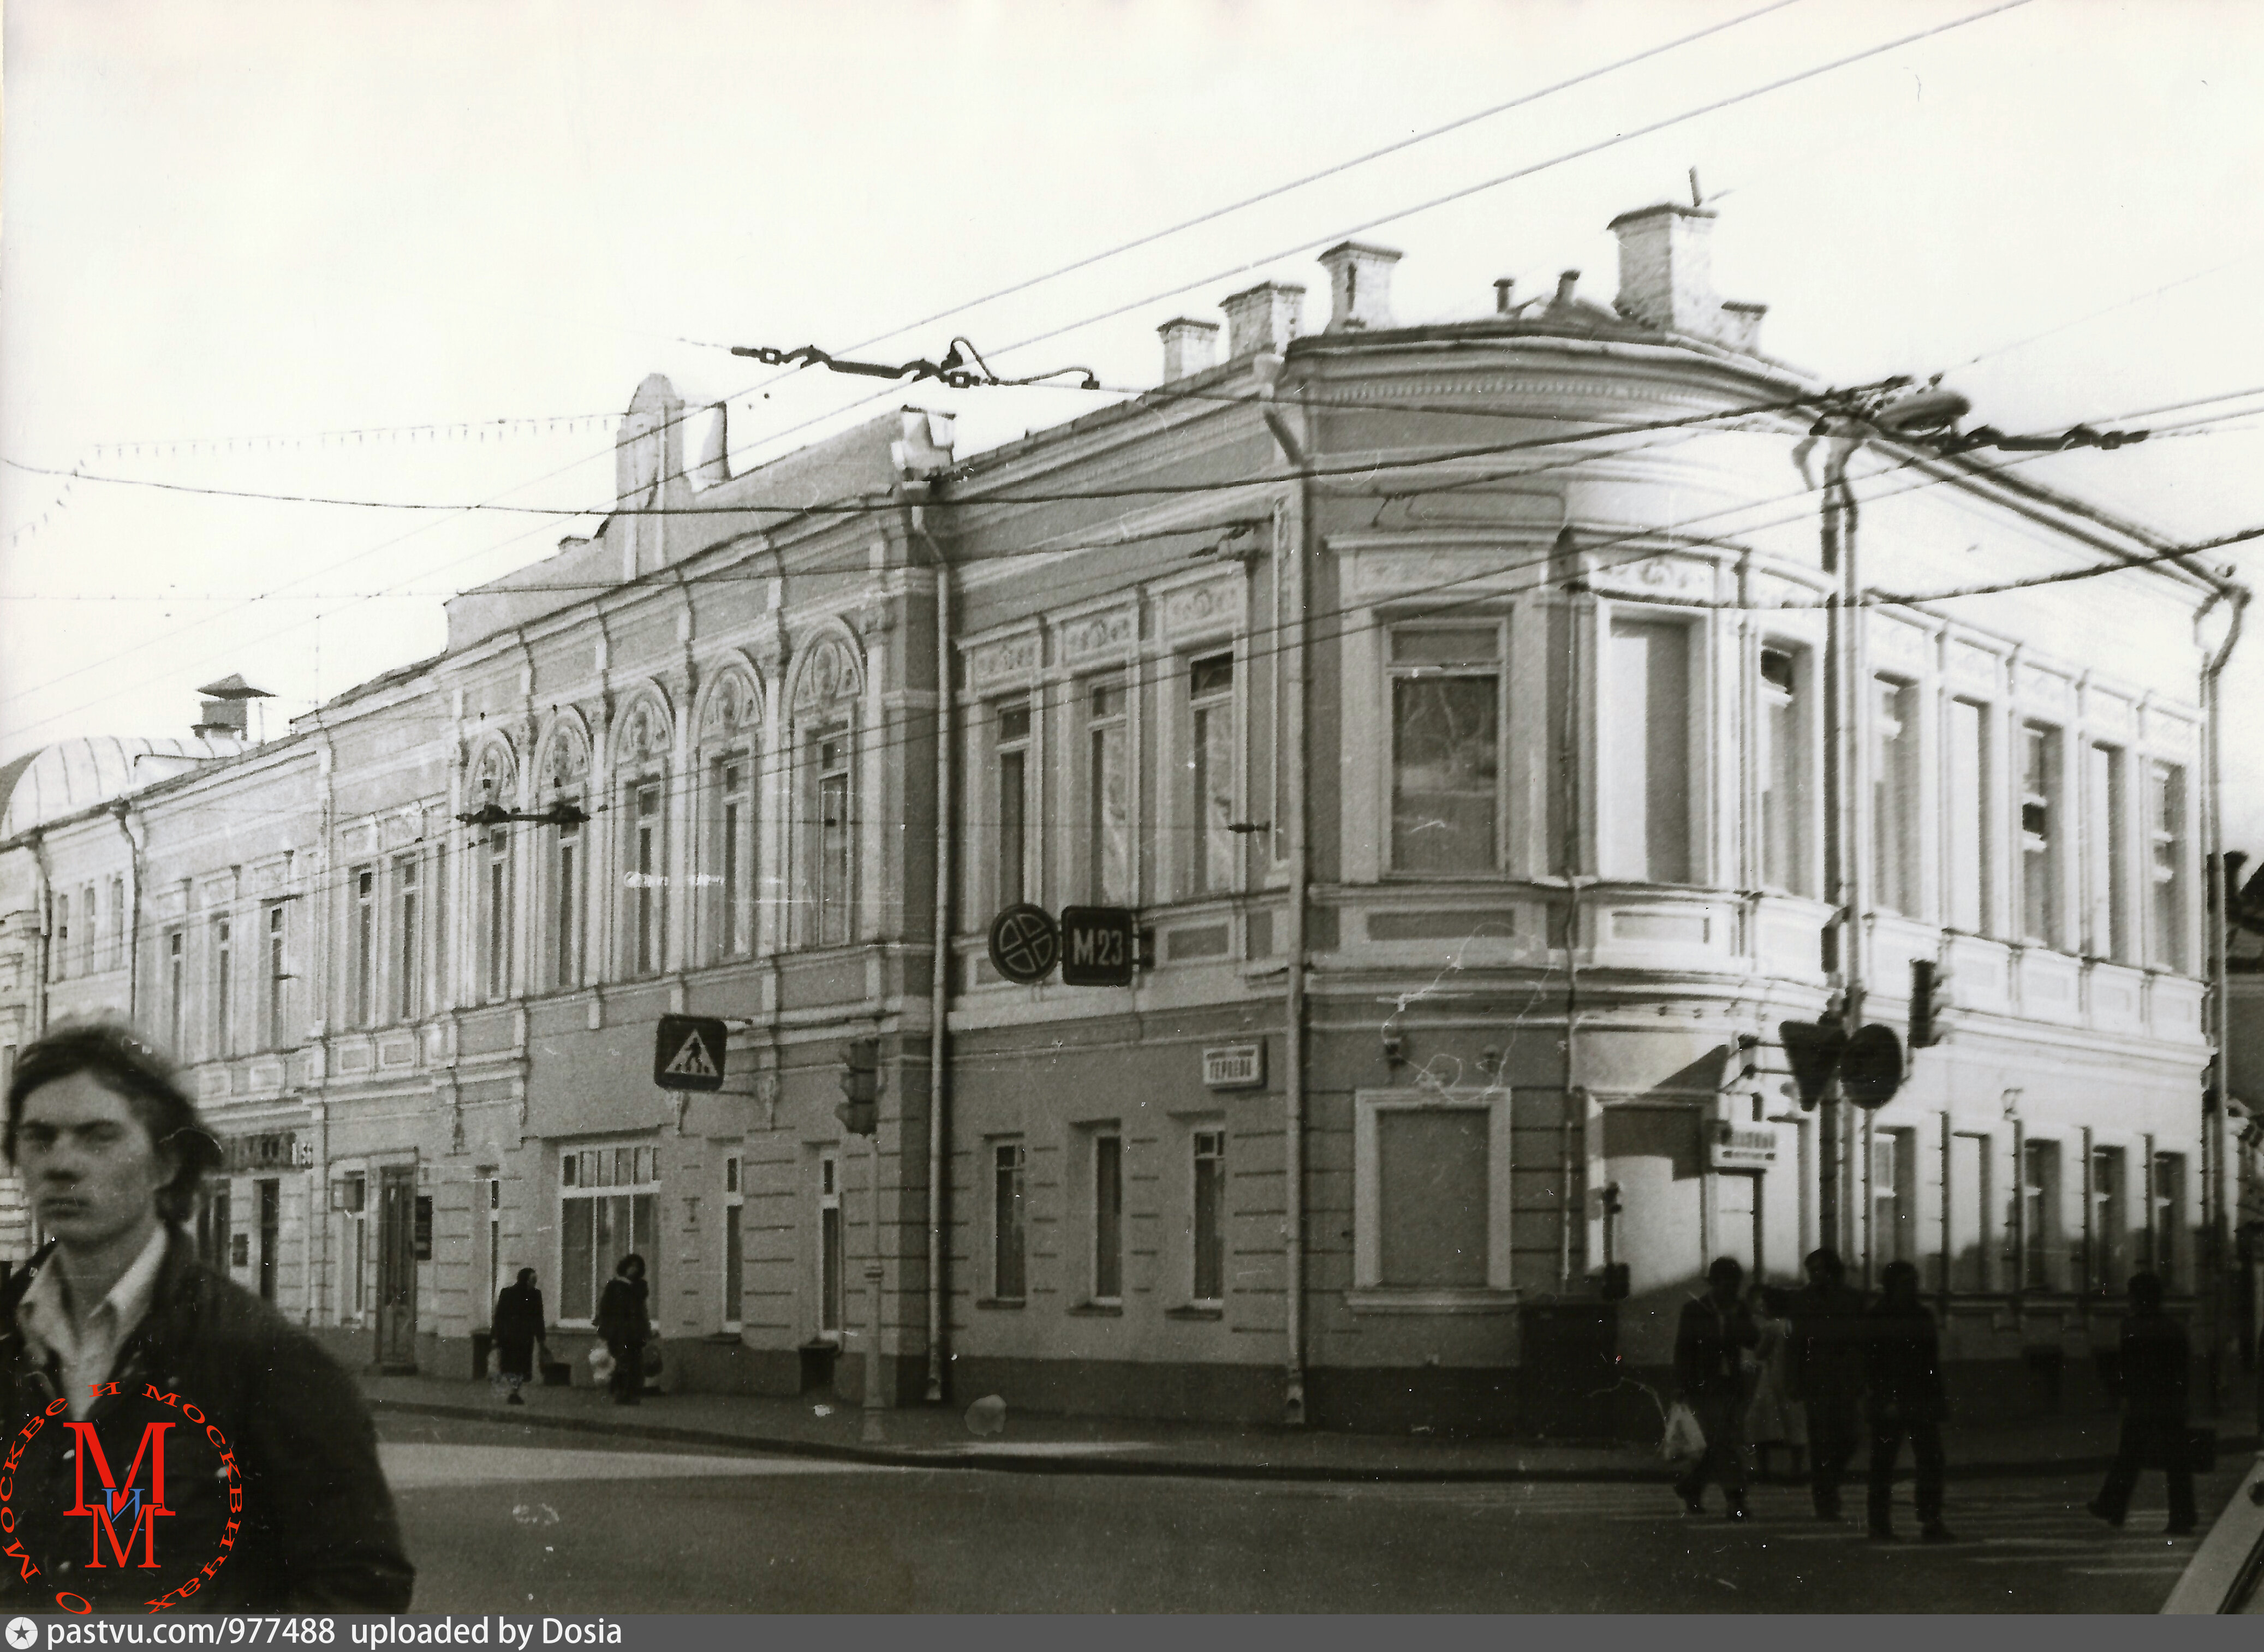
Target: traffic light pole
{"x":1842,"y":864}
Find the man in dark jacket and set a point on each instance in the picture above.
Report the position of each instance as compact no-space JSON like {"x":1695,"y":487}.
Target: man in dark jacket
{"x":626,"y":1326}
{"x":1712,"y":1350}
{"x":518,"y":1326}
{"x":1826,"y":1374}
{"x":122,"y":1355}
{"x":2157,"y":1369}
{"x":1903,"y":1370}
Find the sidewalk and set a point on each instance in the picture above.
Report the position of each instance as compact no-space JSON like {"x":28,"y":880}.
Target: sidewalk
{"x":936,"y":1437}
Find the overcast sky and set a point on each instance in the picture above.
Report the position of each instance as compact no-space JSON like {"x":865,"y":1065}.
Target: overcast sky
{"x":460,"y":234}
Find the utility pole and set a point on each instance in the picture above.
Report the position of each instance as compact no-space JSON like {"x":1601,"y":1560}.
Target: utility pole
{"x":1842,"y":864}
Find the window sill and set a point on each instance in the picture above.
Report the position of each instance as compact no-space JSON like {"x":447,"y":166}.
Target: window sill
{"x":1443,"y":1299}
{"x":989,"y":1303}
{"x":1195,"y":1311}
{"x":1098,"y":1310}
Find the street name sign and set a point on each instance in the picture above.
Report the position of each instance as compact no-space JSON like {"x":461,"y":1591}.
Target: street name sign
{"x":687,"y":1053}
{"x":1098,"y":946}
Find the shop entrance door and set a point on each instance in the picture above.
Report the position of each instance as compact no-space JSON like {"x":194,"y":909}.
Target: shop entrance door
{"x":397,"y":1268}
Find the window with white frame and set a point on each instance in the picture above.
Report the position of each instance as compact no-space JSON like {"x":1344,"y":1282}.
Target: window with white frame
{"x":735,"y":1241}
{"x":833,"y":836}
{"x":2108,"y":927}
{"x":648,"y":903}
{"x":564,"y":875}
{"x":59,"y":954}
{"x":408,"y":941}
{"x":1969,"y":1200}
{"x":1783,"y":766}
{"x":608,"y":1206}
{"x":1108,"y":792}
{"x":2110,"y":1221}
{"x":176,"y":987}
{"x":223,"y":998}
{"x":1430,"y":1191}
{"x":828,"y":689}
{"x":1970,"y":815}
{"x":1446,"y":737}
{"x":728,"y":727}
{"x":1108,"y":1216}
{"x":830,"y":1243}
{"x":1213,"y":850}
{"x":361,"y":963}
{"x":2040,"y":834}
{"x":491,"y":879}
{"x":2041,"y":1240}
{"x":1646,"y":780}
{"x":90,"y":928}
{"x":274,"y":971}
{"x":1895,"y":794}
{"x":119,"y":926}
{"x":1011,"y":775}
{"x":1009,"y":1169}
{"x":1893,"y":1212}
{"x":2166,"y":1229}
{"x":2165,"y":822}
{"x":1207,"y":1218}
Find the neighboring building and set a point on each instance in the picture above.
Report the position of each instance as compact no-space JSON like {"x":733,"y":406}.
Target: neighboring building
{"x":1500,"y":640}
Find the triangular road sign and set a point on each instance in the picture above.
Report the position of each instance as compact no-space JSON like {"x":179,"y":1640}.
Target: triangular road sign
{"x":1812,"y":1050}
{"x":691,"y":1060}
{"x":688,"y":1052}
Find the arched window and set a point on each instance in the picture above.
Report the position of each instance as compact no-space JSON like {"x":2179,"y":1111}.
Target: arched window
{"x":641,"y":765}
{"x":563,"y":782}
{"x":492,"y":782}
{"x":827,"y":690}
{"x":731,"y":762}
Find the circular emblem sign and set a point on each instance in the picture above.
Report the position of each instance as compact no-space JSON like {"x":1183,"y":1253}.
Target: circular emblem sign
{"x":1024,"y":943}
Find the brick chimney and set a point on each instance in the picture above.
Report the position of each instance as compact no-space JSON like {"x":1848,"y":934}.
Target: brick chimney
{"x":1265,"y":317}
{"x":1666,"y":276}
{"x":1359,"y":286}
{"x":1190,"y":347}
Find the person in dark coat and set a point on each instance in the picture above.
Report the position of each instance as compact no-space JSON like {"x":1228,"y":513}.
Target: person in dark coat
{"x":1826,"y":1374}
{"x":625,"y":1325}
{"x":2157,"y":1369}
{"x":1713,"y":1344}
{"x":1903,"y":1370}
{"x":518,"y":1326}
{"x":123,"y":1357}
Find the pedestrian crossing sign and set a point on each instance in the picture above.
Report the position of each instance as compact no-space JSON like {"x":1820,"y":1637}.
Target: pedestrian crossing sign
{"x":688,"y":1052}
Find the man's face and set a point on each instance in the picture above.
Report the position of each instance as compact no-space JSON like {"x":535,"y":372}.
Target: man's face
{"x":88,"y":1159}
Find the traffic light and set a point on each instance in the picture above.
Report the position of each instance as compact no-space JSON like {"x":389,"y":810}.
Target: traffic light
{"x":1929,"y":1003}
{"x":860,"y":1083}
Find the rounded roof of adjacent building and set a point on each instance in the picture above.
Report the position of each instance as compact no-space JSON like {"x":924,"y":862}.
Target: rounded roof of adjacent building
{"x":54,"y":780}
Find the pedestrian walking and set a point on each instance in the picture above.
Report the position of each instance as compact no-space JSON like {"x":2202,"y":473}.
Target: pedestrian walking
{"x":1902,"y":1361}
{"x":625,"y":1325}
{"x":1713,"y":1362}
{"x":1825,"y":1374}
{"x":111,"y":1151}
{"x":1773,"y":1422}
{"x":2156,"y":1371}
{"x":518,"y":1327}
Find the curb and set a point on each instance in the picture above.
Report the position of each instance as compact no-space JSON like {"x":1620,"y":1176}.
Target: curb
{"x":1185,"y":1468}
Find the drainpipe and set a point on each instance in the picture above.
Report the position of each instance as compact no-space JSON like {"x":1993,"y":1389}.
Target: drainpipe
{"x":38,"y":841}
{"x":939,"y":976}
{"x":1267,"y":370}
{"x":118,"y":812}
{"x":2215,"y":1149}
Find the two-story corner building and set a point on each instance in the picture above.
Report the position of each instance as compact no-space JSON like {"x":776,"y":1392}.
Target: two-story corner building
{"x":1450,"y":704}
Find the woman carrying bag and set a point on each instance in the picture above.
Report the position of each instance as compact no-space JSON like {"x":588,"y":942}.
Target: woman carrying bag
{"x":519,"y":1329}
{"x":627,"y":1327}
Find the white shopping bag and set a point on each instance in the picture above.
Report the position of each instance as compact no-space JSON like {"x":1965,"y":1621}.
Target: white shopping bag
{"x":1684,"y":1436}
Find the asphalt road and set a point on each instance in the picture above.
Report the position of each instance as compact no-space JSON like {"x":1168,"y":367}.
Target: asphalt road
{"x":507,"y":1519}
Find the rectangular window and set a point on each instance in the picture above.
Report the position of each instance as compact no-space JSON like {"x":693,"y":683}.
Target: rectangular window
{"x":1212,"y":846}
{"x":1007,"y":1171}
{"x":1108,"y":805}
{"x":59,"y":957}
{"x":223,"y":943}
{"x":118,"y":922}
{"x":1970,"y":1203}
{"x":1210,"y":1216}
{"x":176,"y":984}
{"x":2040,"y":834}
{"x":1893,"y":1169}
{"x":829,"y":1248}
{"x":1647,"y":780}
{"x":1108,"y":1218}
{"x":1434,"y":1197}
{"x":495,"y":912}
{"x":2168,"y":1227}
{"x":732,"y":900}
{"x":91,"y":923}
{"x":361,"y":990}
{"x":566,"y":906}
{"x":734,"y":1260}
{"x":1783,"y":766}
{"x":2110,"y":1221}
{"x":2108,"y":924}
{"x":2166,"y":821}
{"x":1446,"y":749}
{"x":2040,"y":1223}
{"x":1011,"y":737}
{"x":408,"y":944}
{"x":1972,"y":830}
{"x":1894,"y":795}
{"x":273,"y":973}
{"x":646,"y":906}
{"x":836,"y":832}
{"x":609,"y":1201}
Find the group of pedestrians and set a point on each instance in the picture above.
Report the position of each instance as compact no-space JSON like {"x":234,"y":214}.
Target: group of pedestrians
{"x":1872,"y":1371}
{"x":623,"y":1321}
